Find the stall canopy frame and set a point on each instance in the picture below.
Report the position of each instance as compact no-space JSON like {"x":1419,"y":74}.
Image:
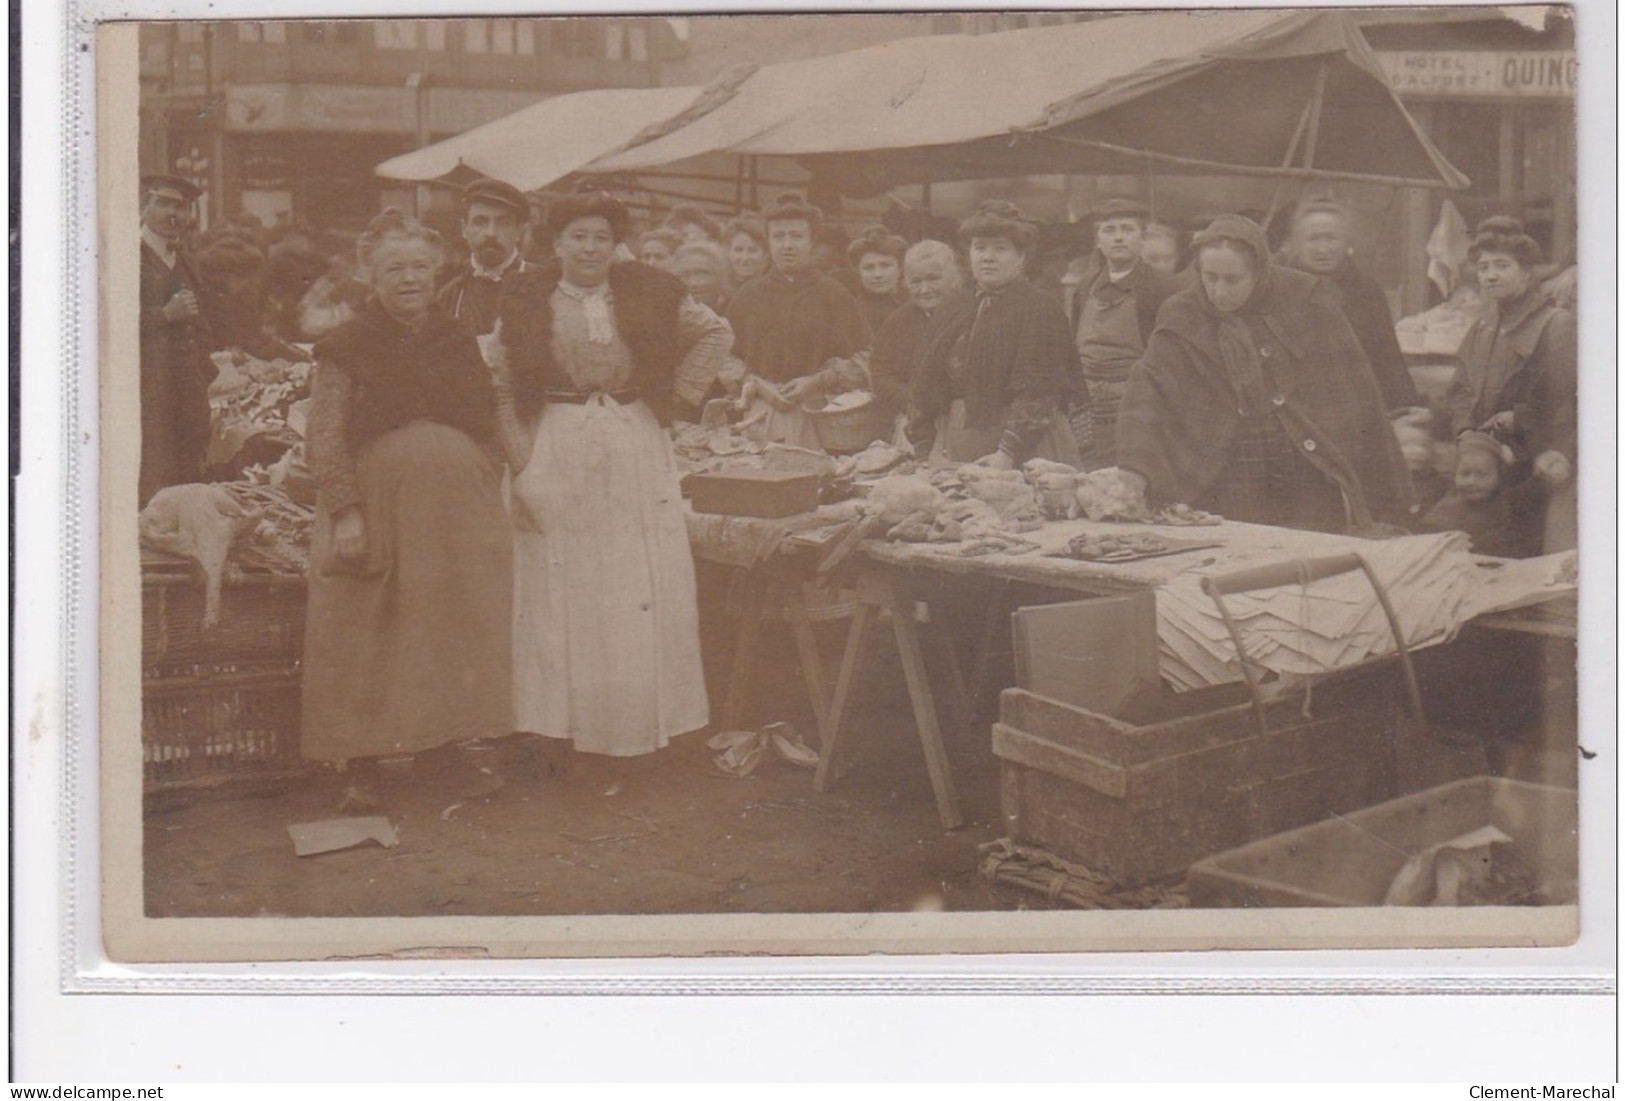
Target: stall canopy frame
{"x":1194,"y":93}
{"x":1293,"y":95}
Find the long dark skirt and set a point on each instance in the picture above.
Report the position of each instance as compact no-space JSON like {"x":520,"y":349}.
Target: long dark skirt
{"x":413,"y":650}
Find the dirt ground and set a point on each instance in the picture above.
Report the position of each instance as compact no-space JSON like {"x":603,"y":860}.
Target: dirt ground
{"x":568,"y":833}
{"x":524,"y":828}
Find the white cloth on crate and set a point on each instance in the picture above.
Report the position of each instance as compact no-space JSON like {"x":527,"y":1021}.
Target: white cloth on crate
{"x":606,"y":620}
{"x":1332,"y":623}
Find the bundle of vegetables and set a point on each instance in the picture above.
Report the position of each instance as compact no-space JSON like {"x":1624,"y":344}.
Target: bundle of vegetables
{"x":256,"y":398}
{"x":279,"y":539}
{"x":279,"y":501}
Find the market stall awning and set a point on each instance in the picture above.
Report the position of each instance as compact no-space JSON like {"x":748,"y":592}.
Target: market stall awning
{"x":1264,"y":93}
{"x":547,"y":141}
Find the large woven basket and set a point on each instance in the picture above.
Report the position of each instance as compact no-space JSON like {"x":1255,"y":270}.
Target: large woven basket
{"x":212,"y":724}
{"x":845,"y":430}
{"x":219,"y":703}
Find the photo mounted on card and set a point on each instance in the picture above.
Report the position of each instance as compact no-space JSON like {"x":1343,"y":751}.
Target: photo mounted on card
{"x":839,"y":484}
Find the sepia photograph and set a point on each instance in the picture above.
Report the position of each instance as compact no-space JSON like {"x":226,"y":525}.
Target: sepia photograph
{"x":972,"y":481}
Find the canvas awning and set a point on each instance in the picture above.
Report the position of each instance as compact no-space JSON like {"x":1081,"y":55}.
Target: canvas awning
{"x":1263,"y":93}
{"x":547,"y":141}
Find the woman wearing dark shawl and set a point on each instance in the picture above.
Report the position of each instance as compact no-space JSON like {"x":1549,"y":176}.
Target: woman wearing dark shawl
{"x":1254,"y":399}
{"x":995,"y":374}
{"x":1519,"y":373}
{"x":407,"y":631}
{"x":1321,"y":245}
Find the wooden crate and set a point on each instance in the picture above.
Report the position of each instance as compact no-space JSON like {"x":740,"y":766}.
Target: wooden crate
{"x":1138,"y":801}
{"x":1352,"y":861}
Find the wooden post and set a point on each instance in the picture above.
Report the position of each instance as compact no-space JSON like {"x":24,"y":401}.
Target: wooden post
{"x":1507,"y":165}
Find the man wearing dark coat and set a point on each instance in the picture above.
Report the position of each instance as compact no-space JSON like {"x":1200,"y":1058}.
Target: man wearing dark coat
{"x":494,"y":218}
{"x":1112,"y":298}
{"x":175,"y":368}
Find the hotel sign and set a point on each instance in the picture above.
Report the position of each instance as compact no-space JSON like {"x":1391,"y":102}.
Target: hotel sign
{"x":1494,"y":74}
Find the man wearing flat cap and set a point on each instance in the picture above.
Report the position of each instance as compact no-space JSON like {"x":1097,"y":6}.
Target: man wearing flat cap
{"x":175,"y":367}
{"x":494,"y":218}
{"x":1112,"y":300}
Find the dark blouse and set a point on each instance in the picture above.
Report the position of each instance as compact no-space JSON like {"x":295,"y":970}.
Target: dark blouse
{"x":1009,"y":355}
{"x":899,"y":343}
{"x":876,"y":308}
{"x":785,"y":328}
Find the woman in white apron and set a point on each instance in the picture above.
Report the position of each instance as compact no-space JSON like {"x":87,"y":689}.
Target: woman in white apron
{"x":594,"y":355}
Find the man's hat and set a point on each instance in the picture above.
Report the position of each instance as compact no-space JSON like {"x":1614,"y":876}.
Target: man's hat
{"x":1121,"y":208}
{"x":179,"y":186}
{"x":497,"y":193}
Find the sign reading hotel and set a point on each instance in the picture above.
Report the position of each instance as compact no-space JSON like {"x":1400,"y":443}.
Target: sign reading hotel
{"x":1495,"y":74}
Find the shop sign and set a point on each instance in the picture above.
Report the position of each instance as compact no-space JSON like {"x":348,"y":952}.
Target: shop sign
{"x":341,"y":108}
{"x":264,"y":168}
{"x":1496,"y":74}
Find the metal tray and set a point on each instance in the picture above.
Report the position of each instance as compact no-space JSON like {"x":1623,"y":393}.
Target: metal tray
{"x":1174,"y":546}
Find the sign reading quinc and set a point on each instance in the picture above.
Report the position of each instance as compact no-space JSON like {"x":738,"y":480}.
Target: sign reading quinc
{"x":1500,"y":74}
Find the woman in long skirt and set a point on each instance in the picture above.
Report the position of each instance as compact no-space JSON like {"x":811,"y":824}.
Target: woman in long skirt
{"x":406,"y":639}
{"x":593,"y":356}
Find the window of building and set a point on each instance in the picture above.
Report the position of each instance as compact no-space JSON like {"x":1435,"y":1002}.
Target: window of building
{"x":434,"y":34}
{"x":330,"y":34}
{"x":395,"y":34}
{"x":275,"y":32}
{"x":614,"y":42}
{"x":189,"y":32}
{"x":637,"y":40}
{"x":476,"y":36}
{"x":524,"y":37}
{"x":502,"y":36}
{"x":580,"y":38}
{"x":249,"y":32}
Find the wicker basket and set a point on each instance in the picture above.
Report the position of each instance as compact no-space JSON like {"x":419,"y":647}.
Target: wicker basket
{"x":209,"y":725}
{"x":845,"y":430}
{"x":219,"y":703}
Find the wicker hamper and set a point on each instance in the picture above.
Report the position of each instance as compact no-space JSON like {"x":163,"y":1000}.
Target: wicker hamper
{"x":219,"y":703}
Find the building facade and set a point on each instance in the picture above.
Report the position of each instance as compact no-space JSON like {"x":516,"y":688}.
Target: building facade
{"x":286,"y":119}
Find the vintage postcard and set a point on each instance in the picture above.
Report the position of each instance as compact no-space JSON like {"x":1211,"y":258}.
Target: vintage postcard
{"x":903,"y":483}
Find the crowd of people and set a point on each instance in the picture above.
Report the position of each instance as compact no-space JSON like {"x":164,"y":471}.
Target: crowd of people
{"x":501,"y":542}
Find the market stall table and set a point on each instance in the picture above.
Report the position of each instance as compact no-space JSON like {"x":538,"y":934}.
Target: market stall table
{"x":881,"y":583}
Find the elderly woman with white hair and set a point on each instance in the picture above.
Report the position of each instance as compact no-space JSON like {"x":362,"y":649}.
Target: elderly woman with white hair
{"x":931,"y":277}
{"x":407,"y":628}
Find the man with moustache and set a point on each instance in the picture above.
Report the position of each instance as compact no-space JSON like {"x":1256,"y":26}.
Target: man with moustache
{"x":494,"y":219}
{"x":1112,"y":304}
{"x":175,"y":369}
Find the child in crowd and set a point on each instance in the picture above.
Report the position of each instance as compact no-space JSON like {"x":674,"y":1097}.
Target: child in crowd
{"x":1501,"y":520}
{"x":1428,"y":458}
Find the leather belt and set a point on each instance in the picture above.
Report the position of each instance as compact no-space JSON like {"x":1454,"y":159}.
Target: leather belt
{"x":581,"y":397}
